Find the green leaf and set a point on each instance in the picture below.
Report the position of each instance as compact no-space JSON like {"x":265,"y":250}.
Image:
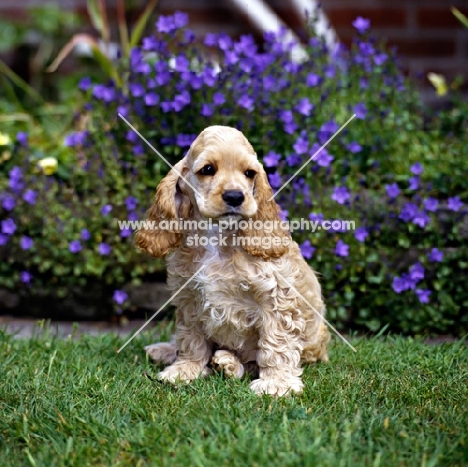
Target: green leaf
{"x":460,"y":16}
{"x":141,"y":23}
{"x":95,"y":15}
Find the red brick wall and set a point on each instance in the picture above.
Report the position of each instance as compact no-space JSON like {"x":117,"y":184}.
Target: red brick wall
{"x":425,"y":31}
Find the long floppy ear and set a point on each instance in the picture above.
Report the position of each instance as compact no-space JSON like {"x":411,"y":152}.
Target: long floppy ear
{"x":271,"y":241}
{"x":170,"y":204}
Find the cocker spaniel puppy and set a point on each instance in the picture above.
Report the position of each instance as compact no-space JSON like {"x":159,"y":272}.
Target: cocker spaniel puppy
{"x":255,"y":306}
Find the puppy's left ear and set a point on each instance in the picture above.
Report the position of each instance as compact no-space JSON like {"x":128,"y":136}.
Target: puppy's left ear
{"x":273,"y":241}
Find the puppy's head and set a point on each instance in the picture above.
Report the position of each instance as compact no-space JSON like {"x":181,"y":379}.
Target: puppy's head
{"x":219,"y":178}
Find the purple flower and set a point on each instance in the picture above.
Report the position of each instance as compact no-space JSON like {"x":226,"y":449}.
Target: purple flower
{"x":106,"y":209}
{"x":8,"y":202}
{"x":25,"y":277}
{"x":132,"y":216}
{"x":408,"y":212}
{"x":322,"y":158}
{"x":75,"y":246}
{"x":104,"y":93}
{"x":138,"y":149}
{"x":421,"y":218}
{"x":136,"y":89}
{"x":180,"y":19}
{"x":316,"y":217}
{"x":75,"y":139}
{"x":417,"y":272}
{"x":360,"y":111}
{"x":304,"y":107}
{"x":400,"y":284}
{"x":417,"y":169}
{"x":151,"y":99}
{"x":165,"y":24}
{"x":84,"y":84}
{"x":341,"y":249}
{"x":436,"y":256}
{"x":218,"y":98}
{"x":224,"y":41}
{"x":413,"y":183}
{"x":131,"y":136}
{"x":380,"y":59}
{"x":131,"y":203}
{"x":126,"y":233}
{"x":16,"y":179}
{"x":120,"y":297}
{"x":211,"y":40}
{"x":8,"y":226}
{"x":271,"y":159}
{"x":392,"y":190}
{"x":180,"y":101}
{"x":292,"y":160}
{"x":207,"y":110}
{"x":30,"y":196}
{"x":361,"y":234}
{"x":182,"y":63}
{"x":430,"y":204}
{"x":307,"y":249}
{"x":15,"y":173}
{"x":85,"y":235}
{"x":4,"y":239}
{"x":275,"y":180}
{"x":340,"y":195}
{"x":354,"y":147}
{"x":302,"y":144}
{"x":104,"y":249}
{"x":26,"y":243}
{"x":423,"y":295}
{"x":246,"y":102}
{"x":184,"y":140}
{"x":22,"y":138}
{"x":454,"y":204}
{"x":312,"y":80}
{"x":361,"y":24}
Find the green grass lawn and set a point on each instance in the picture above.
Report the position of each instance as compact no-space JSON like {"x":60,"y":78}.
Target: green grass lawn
{"x":396,"y":402}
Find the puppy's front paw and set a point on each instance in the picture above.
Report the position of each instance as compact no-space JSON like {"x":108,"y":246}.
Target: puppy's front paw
{"x":228,"y":363}
{"x":183,"y":372}
{"x":277,"y":386}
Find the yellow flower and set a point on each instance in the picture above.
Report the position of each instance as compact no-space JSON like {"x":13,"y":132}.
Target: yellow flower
{"x":438,"y":81}
{"x":4,"y":139}
{"x":48,"y":165}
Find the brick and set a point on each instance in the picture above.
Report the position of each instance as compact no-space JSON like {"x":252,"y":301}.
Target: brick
{"x":439,"y":18}
{"x":380,"y":17}
{"x":424,"y":48}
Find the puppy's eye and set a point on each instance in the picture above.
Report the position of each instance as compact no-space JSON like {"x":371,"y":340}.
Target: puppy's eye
{"x":207,"y":170}
{"x":250,"y":173}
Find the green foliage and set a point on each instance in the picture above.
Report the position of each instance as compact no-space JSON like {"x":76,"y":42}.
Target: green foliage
{"x":403,"y":266}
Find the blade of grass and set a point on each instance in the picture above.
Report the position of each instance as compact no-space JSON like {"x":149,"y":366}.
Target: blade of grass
{"x":123,"y":31}
{"x":141,"y":23}
{"x":460,"y":16}
{"x":9,"y":73}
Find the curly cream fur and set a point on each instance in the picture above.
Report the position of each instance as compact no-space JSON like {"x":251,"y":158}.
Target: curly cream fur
{"x":239,"y":314}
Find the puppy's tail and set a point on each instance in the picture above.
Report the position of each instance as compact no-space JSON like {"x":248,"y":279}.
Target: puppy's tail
{"x":162,"y":352}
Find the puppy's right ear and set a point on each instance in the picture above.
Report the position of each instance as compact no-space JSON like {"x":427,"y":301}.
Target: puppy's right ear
{"x":170,"y":204}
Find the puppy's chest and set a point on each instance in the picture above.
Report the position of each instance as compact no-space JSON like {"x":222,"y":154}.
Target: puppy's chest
{"x":227,"y":302}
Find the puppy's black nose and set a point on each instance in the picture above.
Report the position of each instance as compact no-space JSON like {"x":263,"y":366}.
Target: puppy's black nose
{"x":233,"y":197}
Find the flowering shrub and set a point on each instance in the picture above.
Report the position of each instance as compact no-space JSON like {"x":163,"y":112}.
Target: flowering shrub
{"x":402,"y":184}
